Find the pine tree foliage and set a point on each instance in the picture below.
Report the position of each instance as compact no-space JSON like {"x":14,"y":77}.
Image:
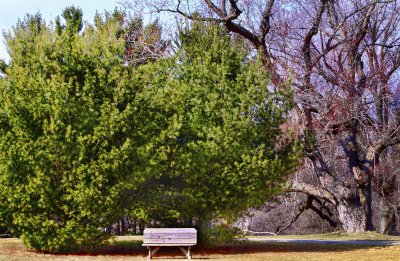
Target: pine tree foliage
{"x":86,"y":136}
{"x":210,"y":126}
{"x":65,"y":136}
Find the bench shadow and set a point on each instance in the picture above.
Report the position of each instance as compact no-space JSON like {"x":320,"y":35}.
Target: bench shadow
{"x":134,"y":248}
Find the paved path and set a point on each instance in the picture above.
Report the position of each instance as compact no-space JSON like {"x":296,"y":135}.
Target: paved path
{"x":319,"y":241}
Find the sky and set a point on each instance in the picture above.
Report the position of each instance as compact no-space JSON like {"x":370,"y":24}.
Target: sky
{"x":12,"y":10}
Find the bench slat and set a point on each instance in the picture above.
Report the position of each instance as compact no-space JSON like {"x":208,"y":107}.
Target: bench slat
{"x":170,"y":235}
{"x":146,"y":236}
{"x":169,"y":244}
{"x":170,"y":240}
{"x":170,"y":230}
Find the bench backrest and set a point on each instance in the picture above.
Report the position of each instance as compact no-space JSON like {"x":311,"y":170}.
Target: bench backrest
{"x":170,"y":236}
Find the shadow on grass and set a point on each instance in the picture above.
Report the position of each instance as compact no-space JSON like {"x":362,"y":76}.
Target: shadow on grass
{"x":135,"y":248}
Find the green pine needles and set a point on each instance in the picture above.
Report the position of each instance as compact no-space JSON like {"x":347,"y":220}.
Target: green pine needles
{"x":85,"y":137}
{"x":65,"y":137}
{"x":211,"y":127}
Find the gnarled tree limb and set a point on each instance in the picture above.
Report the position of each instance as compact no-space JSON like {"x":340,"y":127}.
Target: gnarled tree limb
{"x":312,"y":190}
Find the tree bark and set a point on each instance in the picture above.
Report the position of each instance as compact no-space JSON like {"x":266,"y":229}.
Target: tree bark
{"x":389,"y":218}
{"x":352,"y":216}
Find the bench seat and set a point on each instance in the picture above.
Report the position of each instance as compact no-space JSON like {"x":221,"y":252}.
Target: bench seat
{"x":154,"y":238}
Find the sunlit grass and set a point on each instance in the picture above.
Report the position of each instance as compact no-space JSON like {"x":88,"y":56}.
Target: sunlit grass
{"x":130,"y":248}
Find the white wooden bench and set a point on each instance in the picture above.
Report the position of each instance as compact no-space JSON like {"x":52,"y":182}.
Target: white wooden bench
{"x":154,"y":238}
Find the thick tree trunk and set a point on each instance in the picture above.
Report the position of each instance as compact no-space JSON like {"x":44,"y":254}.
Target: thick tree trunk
{"x":361,"y":203}
{"x":352,"y":216}
{"x":389,"y":218}
{"x":385,"y":217}
{"x":388,"y":215}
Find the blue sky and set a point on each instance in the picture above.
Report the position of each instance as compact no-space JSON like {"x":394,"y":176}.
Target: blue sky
{"x":11,"y":10}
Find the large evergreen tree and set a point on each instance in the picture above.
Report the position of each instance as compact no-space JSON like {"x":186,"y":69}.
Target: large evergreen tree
{"x":210,"y":131}
{"x":65,"y":145}
{"x":85,"y":134}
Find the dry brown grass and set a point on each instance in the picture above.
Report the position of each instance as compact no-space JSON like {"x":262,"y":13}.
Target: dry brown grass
{"x":129,"y":248}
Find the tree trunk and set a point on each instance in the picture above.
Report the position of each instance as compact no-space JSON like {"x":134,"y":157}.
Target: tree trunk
{"x":361,"y":203}
{"x":389,"y":218}
{"x":352,"y":216}
{"x":244,"y":221}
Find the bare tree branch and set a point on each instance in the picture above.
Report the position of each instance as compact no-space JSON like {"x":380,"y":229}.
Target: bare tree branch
{"x":312,"y":190}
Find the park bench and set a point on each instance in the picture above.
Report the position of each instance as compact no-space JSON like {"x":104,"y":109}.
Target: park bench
{"x":155,"y":238}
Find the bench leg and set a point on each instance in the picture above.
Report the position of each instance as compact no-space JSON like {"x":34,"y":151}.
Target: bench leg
{"x":152,"y":252}
{"x":187,"y":253}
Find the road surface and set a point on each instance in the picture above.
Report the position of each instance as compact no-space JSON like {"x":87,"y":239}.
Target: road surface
{"x":328,"y":242}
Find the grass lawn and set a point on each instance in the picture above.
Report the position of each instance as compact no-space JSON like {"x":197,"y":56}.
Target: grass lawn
{"x":129,"y":248}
